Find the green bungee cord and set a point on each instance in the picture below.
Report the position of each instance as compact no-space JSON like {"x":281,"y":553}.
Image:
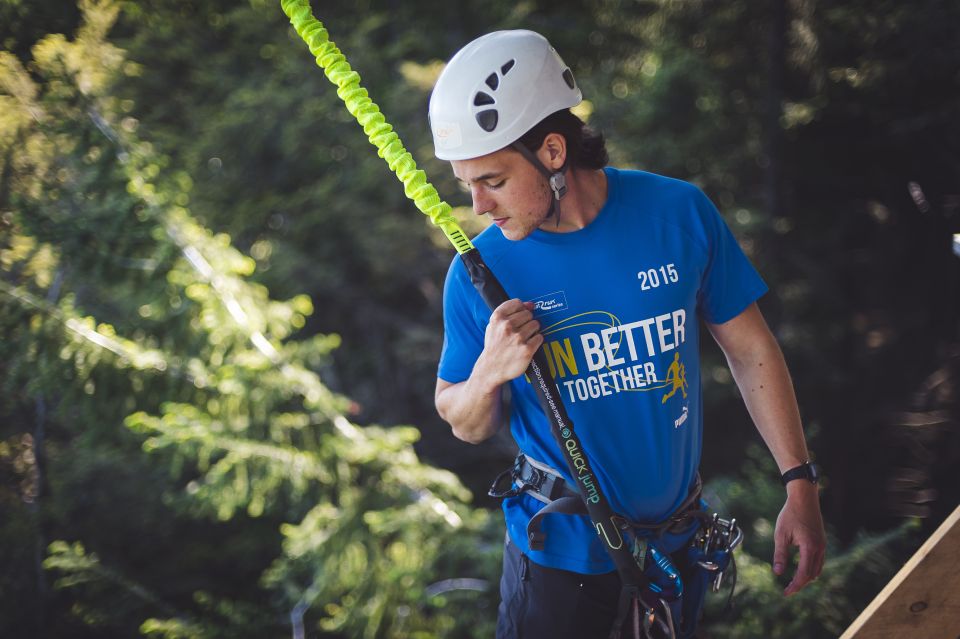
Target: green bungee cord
{"x":636,"y":584}
{"x":379,"y":132}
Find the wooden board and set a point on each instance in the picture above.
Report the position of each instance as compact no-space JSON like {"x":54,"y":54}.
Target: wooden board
{"x":923,"y":600}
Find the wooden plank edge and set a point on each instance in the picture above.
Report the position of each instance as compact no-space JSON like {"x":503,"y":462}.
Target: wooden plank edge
{"x":904,"y":572}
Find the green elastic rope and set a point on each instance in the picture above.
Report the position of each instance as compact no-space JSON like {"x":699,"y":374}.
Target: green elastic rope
{"x":380,"y":133}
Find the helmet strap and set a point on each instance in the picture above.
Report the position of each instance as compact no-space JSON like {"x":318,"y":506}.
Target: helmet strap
{"x":556,"y":179}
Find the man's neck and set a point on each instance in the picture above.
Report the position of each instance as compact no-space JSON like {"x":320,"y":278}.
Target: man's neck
{"x":586,"y":195}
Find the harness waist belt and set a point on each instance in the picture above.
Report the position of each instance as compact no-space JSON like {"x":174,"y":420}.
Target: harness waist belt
{"x":546,"y":484}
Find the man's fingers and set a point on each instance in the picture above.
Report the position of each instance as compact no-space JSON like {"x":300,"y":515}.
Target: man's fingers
{"x":780,"y":549}
{"x":520,"y":319}
{"x":521,"y":323}
{"x":529,"y":329}
{"x":805,"y":570}
{"x":510,"y":307}
{"x":807,"y":566}
{"x":514,"y":312}
{"x":821,"y":556}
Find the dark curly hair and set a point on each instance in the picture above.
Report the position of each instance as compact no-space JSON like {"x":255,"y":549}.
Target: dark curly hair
{"x":586,"y":148}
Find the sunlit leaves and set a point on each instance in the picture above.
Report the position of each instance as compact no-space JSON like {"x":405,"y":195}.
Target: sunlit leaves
{"x":123,"y":309}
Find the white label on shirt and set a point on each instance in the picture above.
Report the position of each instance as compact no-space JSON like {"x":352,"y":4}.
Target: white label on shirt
{"x":549,"y":303}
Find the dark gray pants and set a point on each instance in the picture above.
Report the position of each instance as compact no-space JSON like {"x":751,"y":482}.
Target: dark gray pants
{"x":537,"y":602}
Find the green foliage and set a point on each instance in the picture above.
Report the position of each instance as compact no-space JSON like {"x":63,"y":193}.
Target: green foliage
{"x":121,"y":308}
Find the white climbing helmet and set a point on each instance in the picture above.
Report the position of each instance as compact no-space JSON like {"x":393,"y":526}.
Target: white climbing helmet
{"x":494,"y":90}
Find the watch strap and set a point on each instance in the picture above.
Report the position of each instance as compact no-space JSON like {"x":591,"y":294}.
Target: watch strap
{"x":808,"y":471}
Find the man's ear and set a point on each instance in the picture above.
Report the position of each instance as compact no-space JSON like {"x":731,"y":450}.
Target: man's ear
{"x":553,"y":151}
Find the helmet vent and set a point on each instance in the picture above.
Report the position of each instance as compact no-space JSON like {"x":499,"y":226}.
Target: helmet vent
{"x":493,"y":81}
{"x":487,"y":120}
{"x":482,"y":98}
{"x":507,"y":66}
{"x":568,"y":78}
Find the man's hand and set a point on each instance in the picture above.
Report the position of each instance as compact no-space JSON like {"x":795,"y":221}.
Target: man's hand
{"x":473,"y":407}
{"x":511,"y":340}
{"x":800,"y":524}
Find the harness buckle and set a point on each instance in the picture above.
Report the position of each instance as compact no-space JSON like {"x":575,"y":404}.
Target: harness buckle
{"x":512,"y":490}
{"x":558,"y":184}
{"x":537,"y":480}
{"x":533,"y":481}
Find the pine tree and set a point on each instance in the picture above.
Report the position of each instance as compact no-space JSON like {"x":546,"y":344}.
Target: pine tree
{"x":238,"y":500}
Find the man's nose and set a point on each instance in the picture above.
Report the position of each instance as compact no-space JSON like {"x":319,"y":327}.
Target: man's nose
{"x":482,"y":202}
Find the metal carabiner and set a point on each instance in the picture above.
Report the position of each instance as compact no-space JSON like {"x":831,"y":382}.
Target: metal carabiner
{"x":494,"y":490}
{"x":663,"y":562}
{"x":651,"y":621}
{"x":737,"y":533}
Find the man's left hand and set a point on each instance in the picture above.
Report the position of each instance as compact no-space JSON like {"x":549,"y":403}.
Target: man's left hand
{"x":800,"y":524}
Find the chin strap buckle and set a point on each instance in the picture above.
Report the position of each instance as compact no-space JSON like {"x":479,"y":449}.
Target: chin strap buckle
{"x":558,"y":184}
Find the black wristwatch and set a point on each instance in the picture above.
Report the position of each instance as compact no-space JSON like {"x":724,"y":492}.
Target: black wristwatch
{"x":808,"y":471}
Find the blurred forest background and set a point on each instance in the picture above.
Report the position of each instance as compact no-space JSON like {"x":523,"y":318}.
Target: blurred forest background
{"x":220,"y":318}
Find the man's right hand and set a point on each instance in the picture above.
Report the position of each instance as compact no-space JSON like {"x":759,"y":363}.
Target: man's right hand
{"x":511,"y":340}
{"x":473,"y":407}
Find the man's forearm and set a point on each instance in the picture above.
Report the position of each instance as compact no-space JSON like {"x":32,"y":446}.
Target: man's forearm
{"x":473,"y":408}
{"x":758,"y":367}
{"x":762,"y":377}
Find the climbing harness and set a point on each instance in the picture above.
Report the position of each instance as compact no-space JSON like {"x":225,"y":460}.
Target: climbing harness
{"x":651,"y":613}
{"x":708,"y":557}
{"x":545,"y":484}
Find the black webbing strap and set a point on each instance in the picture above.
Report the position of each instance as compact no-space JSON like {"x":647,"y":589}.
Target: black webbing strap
{"x":576,"y":458}
{"x":627,"y":608}
{"x":563,"y":506}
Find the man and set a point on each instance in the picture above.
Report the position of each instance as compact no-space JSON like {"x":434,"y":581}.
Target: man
{"x":610,"y":270}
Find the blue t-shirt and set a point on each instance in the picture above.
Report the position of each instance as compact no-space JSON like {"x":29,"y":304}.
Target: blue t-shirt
{"x":618,"y":303}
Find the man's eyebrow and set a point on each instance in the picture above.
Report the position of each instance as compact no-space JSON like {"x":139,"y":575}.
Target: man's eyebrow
{"x":486,"y":176}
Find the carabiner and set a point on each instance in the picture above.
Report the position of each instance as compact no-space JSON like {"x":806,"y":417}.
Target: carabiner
{"x":496,"y":493}
{"x":651,"y":621}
